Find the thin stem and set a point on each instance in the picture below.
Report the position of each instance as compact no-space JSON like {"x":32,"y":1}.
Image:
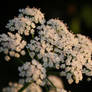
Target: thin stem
{"x":32,"y":36}
{"x":28,"y":50}
{"x":24,"y":87}
{"x":51,"y":83}
{"x":46,"y":89}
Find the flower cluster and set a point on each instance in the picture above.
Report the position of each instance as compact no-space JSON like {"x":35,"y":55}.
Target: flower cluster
{"x":15,"y":87}
{"x":22,"y":24}
{"x":35,"y":15}
{"x":50,"y":46}
{"x":33,"y":87}
{"x":26,"y":21}
{"x":33,"y":71}
{"x":12,"y":45}
{"x":59,"y":48}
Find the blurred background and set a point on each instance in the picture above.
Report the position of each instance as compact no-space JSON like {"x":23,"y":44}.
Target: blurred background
{"x":77,"y":14}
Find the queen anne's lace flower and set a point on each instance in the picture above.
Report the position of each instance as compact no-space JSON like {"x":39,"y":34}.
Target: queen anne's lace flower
{"x":15,"y":87}
{"x":33,"y":71}
{"x":34,"y":14}
{"x":26,"y":22}
{"x":33,"y":88}
{"x":21,"y":25}
{"x":45,"y":53}
{"x":62,"y":49}
{"x":12,"y":45}
{"x":67,"y":39}
{"x":51,"y":45}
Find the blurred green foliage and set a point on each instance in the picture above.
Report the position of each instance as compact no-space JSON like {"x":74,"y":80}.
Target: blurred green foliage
{"x":86,"y":14}
{"x":81,"y":17}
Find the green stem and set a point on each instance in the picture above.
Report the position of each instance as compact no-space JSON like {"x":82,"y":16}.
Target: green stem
{"x":46,"y":89}
{"x":24,"y":87}
{"x":51,"y":83}
{"x":32,"y":36}
{"x":28,"y":50}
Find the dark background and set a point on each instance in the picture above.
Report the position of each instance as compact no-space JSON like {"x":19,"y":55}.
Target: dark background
{"x":77,"y":14}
